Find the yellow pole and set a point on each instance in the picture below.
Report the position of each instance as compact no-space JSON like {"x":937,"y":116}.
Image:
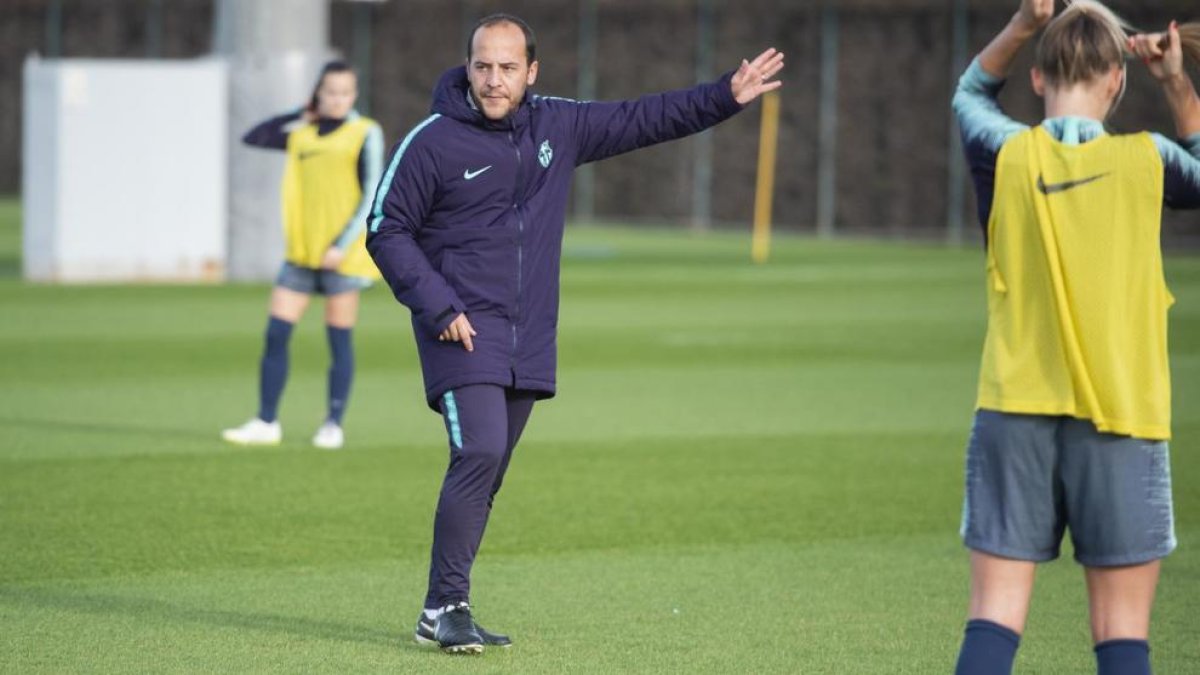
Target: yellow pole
{"x":764,"y":191}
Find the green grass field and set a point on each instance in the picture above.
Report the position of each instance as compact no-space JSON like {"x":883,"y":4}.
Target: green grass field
{"x":747,"y":470}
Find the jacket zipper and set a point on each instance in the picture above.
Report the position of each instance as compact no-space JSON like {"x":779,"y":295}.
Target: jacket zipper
{"x":520,"y":253}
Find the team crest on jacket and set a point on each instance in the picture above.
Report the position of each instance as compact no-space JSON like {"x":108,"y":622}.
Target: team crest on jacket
{"x":545,"y":154}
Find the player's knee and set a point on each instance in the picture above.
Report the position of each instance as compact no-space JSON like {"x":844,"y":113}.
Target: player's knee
{"x":277,"y":334}
{"x":483,"y":453}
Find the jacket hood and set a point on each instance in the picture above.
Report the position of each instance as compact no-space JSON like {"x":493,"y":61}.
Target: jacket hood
{"x":452,"y":98}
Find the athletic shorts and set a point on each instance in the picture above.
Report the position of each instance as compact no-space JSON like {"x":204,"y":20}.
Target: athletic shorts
{"x":1031,"y":477}
{"x":317,"y":281}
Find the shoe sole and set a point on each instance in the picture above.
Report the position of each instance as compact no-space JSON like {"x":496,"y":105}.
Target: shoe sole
{"x":247,"y":444}
{"x":423,"y":641}
{"x":464,"y":649}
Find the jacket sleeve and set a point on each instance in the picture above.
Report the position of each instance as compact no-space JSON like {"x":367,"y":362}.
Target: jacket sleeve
{"x":1181,"y":171}
{"x":984,"y":128}
{"x":370,"y":167}
{"x":403,"y":201}
{"x":604,"y":129}
{"x":272,"y":133}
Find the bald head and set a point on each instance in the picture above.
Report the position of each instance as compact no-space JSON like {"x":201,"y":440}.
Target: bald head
{"x":529,"y":41}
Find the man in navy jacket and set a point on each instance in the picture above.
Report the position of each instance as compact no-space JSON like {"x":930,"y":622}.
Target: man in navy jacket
{"x":467,"y":229}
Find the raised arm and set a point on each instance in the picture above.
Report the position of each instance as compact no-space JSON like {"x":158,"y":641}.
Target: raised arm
{"x":1166,"y":65}
{"x":998,"y":56}
{"x":982,"y":123}
{"x":605,"y":129}
{"x":273,"y":133}
{"x":401,"y":205}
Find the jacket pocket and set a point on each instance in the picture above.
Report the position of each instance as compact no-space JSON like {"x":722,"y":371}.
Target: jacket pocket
{"x":483,"y":279}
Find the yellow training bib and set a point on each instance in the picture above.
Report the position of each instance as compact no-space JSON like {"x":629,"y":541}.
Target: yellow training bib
{"x":1077,"y":304}
{"x":321,"y":192}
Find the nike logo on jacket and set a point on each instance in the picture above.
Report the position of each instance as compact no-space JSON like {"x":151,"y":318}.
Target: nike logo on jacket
{"x":468,"y":174}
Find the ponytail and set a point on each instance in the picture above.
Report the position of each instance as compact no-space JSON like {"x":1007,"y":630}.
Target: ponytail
{"x":1189,"y":39}
{"x":1085,"y":41}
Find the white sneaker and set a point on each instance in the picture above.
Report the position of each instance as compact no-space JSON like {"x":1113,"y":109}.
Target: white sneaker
{"x":329,"y":436}
{"x":255,"y":432}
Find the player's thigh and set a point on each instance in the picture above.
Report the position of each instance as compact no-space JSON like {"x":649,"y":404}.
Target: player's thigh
{"x":520,"y":407}
{"x":476,"y":418}
{"x":1000,"y":589}
{"x":1117,"y":491}
{"x":1012,"y":504}
{"x":1120,"y":600}
{"x":294,"y":288}
{"x":288,"y":304}
{"x":341,"y":309}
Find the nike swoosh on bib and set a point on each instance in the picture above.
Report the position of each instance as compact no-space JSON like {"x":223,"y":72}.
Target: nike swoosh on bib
{"x":1067,"y":185}
{"x":468,"y":174}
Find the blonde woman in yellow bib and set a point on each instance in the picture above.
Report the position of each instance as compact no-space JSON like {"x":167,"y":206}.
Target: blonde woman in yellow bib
{"x":334,"y":161}
{"x":1074,"y":398}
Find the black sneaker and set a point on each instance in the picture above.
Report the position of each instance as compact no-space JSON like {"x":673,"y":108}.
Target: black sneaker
{"x":455,"y":631}
{"x":492,"y":639}
{"x":424,"y":635}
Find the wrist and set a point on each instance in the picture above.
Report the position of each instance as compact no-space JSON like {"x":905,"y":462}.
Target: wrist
{"x":1022,"y":27}
{"x":1177,"y":84}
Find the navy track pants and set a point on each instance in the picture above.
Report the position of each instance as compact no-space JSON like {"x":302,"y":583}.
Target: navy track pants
{"x":484,"y":423}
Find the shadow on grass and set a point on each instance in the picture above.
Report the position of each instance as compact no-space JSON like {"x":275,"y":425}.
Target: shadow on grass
{"x":105,"y":428}
{"x":151,"y":610}
{"x":10,"y":267}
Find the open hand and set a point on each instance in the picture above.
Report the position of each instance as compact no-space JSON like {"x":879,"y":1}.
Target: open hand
{"x":751,"y":79}
{"x":459,"y":330}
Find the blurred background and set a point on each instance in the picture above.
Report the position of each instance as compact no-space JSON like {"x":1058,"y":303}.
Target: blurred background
{"x":786,"y":436}
{"x":867,"y":145}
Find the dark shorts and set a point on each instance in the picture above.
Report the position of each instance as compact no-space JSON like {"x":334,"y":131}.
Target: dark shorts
{"x":1031,"y":477}
{"x":317,"y":281}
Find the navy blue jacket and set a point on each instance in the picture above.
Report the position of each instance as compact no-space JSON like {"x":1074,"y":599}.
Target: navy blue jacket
{"x":469,"y":218}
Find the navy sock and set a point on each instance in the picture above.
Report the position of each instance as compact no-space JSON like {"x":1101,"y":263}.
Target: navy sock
{"x":1123,"y":657}
{"x":987,"y":649}
{"x":273,"y":369}
{"x":341,"y":370}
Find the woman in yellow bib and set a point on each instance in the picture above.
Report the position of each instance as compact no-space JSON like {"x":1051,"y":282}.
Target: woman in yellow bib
{"x":334,"y":161}
{"x":1074,"y":399}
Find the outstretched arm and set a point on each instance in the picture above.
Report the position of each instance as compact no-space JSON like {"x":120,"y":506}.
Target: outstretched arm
{"x":1163,"y":55}
{"x":604,"y":129}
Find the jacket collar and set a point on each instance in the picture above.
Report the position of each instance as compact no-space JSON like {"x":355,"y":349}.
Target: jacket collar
{"x":452,"y":98}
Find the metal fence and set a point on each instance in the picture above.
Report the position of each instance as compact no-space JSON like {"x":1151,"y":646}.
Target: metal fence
{"x":867,"y":143}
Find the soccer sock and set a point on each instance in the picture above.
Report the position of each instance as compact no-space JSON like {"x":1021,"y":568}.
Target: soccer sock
{"x":273,"y":370}
{"x":987,"y":649}
{"x":1123,"y":657}
{"x":341,"y":370}
{"x":432,"y":613}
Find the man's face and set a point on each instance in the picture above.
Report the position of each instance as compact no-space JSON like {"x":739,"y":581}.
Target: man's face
{"x":498,"y":70}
